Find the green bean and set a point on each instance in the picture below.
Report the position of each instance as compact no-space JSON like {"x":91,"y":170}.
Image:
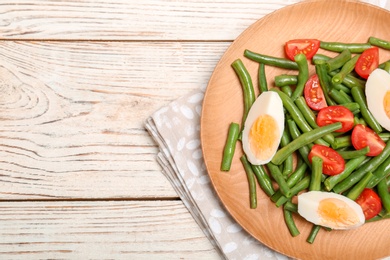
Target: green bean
{"x":310,"y":117}
{"x":354,"y":153}
{"x":342,"y":148}
{"x":307,"y":113}
{"x":338,"y":61}
{"x":378,"y":217}
{"x":383,"y":64}
{"x":263,"y":179}
{"x":287,"y":90}
{"x":303,"y":75}
{"x":347,"y":68}
{"x":288,"y":218}
{"x":383,"y":192}
{"x":324,"y":80}
{"x":293,"y":207}
{"x":276,"y":196}
{"x":387,"y":66}
{"x":379,"y":42}
{"x":270,"y":60}
{"x":304,"y":150}
{"x":319,"y":58}
{"x":304,"y":139}
{"x":342,"y":141}
{"x":353,"y":107}
{"x":285,"y":80}
{"x":289,"y":162}
{"x":345,"y":96}
{"x":340,"y":46}
{"x":279,"y":178}
{"x":383,"y":213}
{"x":380,"y":173}
{"x":313,"y":233}
{"x":297,"y":175}
{"x":300,"y":186}
{"x":350,"y":166}
{"x":251,"y":180}
{"x":341,"y":86}
{"x":292,"y":180}
{"x":359,"y":121}
{"x":339,"y":96}
{"x":247,"y":87}
{"x":385,"y":136}
{"x":352,"y":81}
{"x":359,"y":97}
{"x":286,"y":138}
{"x":230,"y":146}
{"x":296,"y":114}
{"x":262,"y":78}
{"x":334,"y":94}
{"x":373,"y":164}
{"x":354,"y":193}
{"x":316,"y":173}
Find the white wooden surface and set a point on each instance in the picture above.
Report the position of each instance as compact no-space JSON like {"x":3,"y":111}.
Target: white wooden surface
{"x":78,"y":172}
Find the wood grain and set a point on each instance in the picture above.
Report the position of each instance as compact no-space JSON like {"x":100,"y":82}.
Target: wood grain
{"x":77,"y":80}
{"x":223,"y":104}
{"x":131,"y":20}
{"x":73,"y":121}
{"x":100,"y":230}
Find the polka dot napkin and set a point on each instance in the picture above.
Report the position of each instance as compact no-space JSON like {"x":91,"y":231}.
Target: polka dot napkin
{"x":176,"y":129}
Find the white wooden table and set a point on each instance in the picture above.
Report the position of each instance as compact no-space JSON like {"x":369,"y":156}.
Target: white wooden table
{"x":78,"y":173}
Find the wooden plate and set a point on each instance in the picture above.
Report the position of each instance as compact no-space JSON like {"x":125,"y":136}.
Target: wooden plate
{"x":329,"y":20}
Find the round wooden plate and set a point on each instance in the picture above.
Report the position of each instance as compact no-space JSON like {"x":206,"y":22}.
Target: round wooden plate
{"x":329,"y":20}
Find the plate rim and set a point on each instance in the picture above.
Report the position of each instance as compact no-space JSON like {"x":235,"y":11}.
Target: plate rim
{"x":232,"y":45}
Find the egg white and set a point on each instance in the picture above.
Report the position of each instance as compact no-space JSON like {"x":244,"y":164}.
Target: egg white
{"x":308,"y":204}
{"x":267,"y":103}
{"x":378,"y":83}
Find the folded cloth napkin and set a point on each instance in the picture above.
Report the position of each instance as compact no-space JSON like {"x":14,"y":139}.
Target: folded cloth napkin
{"x":176,"y":129}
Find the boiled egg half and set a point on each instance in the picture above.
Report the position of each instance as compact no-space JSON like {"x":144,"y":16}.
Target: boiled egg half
{"x":378,"y":96}
{"x":263,"y":128}
{"x":330,"y":210}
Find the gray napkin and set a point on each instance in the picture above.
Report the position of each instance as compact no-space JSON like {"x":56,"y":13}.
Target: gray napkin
{"x":176,"y":129}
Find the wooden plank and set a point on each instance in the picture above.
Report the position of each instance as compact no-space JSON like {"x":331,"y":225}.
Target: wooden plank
{"x":73,"y":115}
{"x":131,"y":20}
{"x":101,"y":230}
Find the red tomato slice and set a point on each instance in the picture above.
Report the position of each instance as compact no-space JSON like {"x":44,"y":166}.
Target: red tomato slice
{"x":332,"y":164}
{"x":313,"y":93}
{"x":363,"y":136}
{"x":367,"y":62}
{"x":370,"y":203}
{"x":333,"y":114}
{"x":309,"y":47}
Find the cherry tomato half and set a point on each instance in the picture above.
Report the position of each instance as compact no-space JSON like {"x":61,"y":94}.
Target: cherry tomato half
{"x":370,"y":203}
{"x":363,"y":136}
{"x":313,"y":93}
{"x":332,"y":164}
{"x":309,"y":47}
{"x":333,"y":114}
{"x":367,"y":62}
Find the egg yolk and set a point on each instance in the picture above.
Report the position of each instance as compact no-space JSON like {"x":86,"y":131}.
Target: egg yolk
{"x":386,"y":103}
{"x":335,"y":212}
{"x":264,"y":136}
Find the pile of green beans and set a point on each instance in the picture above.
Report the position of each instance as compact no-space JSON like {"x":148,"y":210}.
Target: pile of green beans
{"x":290,"y":172}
